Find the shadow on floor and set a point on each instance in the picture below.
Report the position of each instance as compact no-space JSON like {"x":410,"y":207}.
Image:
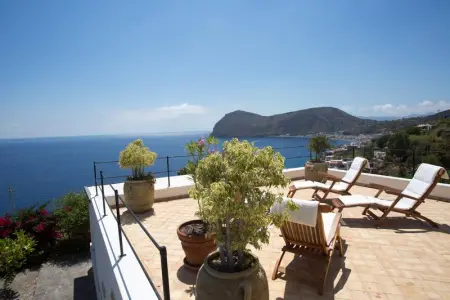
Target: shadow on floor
{"x":397,"y":224}
{"x":8,"y":294}
{"x":127,"y":218}
{"x":84,"y":287}
{"x":303,"y":277}
{"x":68,"y":260}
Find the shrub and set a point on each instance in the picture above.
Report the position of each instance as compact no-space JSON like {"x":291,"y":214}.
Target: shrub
{"x":14,"y":253}
{"x":72,"y":212}
{"x":136,"y":157}
{"x":197,"y":150}
{"x":234,"y":193}
{"x":37,"y":222}
{"x":318,"y":145}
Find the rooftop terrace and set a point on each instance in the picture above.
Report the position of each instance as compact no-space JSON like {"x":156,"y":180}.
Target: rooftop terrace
{"x":404,"y":259}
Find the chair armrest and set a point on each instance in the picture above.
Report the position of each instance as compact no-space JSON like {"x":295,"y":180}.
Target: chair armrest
{"x":386,"y":189}
{"x":325,"y":208}
{"x":329,"y":176}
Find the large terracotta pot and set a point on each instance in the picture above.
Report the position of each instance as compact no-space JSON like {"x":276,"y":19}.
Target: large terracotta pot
{"x":312,"y":169}
{"x":196,"y":247}
{"x":250,"y":284}
{"x":139,"y":195}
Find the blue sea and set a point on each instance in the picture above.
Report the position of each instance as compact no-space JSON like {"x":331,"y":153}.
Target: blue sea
{"x":42,"y":169}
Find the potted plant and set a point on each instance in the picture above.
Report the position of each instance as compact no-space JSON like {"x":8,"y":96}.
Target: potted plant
{"x":139,"y":189}
{"x":195,"y":242}
{"x":234,"y":190}
{"x":318,"y":145}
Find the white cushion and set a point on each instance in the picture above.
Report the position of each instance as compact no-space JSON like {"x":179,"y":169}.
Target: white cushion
{"x":355,"y":168}
{"x":422,"y":180}
{"x":330,"y":223}
{"x":308,"y":184}
{"x":357,"y":200}
{"x":338,"y":186}
{"x":305,"y":214}
{"x":403,"y":203}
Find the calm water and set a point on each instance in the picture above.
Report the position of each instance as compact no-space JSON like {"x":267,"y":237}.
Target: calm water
{"x":45,"y":168}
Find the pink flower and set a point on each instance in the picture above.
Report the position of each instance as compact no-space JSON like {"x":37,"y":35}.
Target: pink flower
{"x":57,"y":235}
{"x":39,"y":227}
{"x":201,"y":142}
{"x":44,"y":212}
{"x":31,"y":219}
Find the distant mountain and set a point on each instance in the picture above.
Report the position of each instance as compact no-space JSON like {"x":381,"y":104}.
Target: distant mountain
{"x":313,"y":120}
{"x":391,"y":118}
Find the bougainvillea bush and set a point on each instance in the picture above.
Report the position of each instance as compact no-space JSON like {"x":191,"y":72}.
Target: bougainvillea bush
{"x":36,"y":221}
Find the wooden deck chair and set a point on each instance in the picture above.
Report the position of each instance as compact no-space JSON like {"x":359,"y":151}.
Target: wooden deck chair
{"x":338,"y":185}
{"x":406,"y":202}
{"x":313,"y":232}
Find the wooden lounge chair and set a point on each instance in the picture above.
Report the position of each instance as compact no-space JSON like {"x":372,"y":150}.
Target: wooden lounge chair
{"x":338,"y":185}
{"x":406,"y":201}
{"x":317,"y":238}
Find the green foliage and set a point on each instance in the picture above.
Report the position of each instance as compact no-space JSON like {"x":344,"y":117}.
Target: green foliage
{"x":413,"y":130}
{"x":197,"y":150}
{"x":382,"y":141}
{"x":233,"y":189}
{"x":432,"y":159}
{"x":136,"y":157}
{"x":318,"y":145}
{"x":399,"y":144}
{"x":72,"y":212}
{"x":14,"y":252}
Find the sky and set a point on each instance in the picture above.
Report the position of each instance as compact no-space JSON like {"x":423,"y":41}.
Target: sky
{"x":117,"y":67}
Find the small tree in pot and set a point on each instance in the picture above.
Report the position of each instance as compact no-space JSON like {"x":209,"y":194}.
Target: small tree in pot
{"x":233,"y":188}
{"x":319,"y":145}
{"x":193,"y":234}
{"x":139,"y":189}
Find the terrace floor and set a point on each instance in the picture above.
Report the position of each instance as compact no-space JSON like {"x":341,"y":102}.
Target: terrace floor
{"x":405,"y":259}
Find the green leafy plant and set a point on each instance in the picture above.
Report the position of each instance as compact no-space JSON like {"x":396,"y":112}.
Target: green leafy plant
{"x":72,"y":212}
{"x":197,"y":150}
{"x":14,"y":253}
{"x":136,"y":157}
{"x":319,"y":144}
{"x":234,"y":193}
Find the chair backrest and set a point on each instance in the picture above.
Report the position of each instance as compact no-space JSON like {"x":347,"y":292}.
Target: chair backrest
{"x":306,"y":235}
{"x":425,"y":179}
{"x":355,"y":170}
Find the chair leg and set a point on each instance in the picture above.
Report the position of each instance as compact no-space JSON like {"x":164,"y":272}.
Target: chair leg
{"x":291,"y":193}
{"x":277,"y":265}
{"x":324,"y":281}
{"x":341,"y":251}
{"x":366,"y":209}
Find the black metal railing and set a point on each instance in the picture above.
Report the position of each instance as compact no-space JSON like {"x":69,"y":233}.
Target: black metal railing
{"x":162,"y":249}
{"x":350,"y":153}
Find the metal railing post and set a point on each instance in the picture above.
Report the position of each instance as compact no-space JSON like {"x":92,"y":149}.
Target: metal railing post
{"x":119,"y":224}
{"x":165,"y":272}
{"x":413,"y":160}
{"x":353,"y":150}
{"x":168,"y":171}
{"x":95,"y":179}
{"x":103,"y":193}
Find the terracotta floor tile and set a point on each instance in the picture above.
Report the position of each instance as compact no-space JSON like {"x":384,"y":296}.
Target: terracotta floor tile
{"x":403,"y":259}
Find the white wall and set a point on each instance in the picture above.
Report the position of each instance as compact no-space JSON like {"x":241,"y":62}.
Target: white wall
{"x":115,"y":277}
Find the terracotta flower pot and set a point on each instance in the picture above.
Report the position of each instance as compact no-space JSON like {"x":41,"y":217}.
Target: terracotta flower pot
{"x":196,"y":247}
{"x":250,"y":284}
{"x":312,"y":169}
{"x":139,"y":195}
